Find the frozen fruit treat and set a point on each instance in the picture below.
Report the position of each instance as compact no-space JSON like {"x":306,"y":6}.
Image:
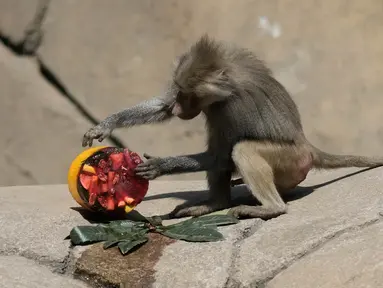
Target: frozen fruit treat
{"x":103,"y":179}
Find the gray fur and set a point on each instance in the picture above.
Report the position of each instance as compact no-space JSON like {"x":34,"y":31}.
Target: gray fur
{"x":156,"y":166}
{"x":151,"y":111}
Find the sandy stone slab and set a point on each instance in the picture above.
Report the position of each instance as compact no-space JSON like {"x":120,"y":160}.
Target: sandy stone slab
{"x":208,"y":265}
{"x":353,"y":260}
{"x":35,"y":220}
{"x":326,"y":213}
{"x":41,"y":131}
{"x":19,"y":272}
{"x":253,"y":251}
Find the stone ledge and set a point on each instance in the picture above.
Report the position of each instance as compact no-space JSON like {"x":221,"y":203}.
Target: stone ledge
{"x":273,"y":252}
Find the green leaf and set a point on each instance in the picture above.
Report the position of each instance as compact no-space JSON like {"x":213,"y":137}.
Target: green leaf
{"x":83,"y":235}
{"x":192,"y":233}
{"x":120,"y":229}
{"x":126,"y":245}
{"x":125,"y":228}
{"x":110,"y":243}
{"x":121,"y":223}
{"x":208,"y":221}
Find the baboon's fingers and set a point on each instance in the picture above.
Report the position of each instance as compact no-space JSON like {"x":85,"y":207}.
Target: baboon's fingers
{"x":86,"y":141}
{"x":143,"y":168}
{"x":147,"y":156}
{"x":102,"y":137}
{"x":149,"y":175}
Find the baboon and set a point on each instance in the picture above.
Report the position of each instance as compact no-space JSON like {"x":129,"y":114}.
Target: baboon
{"x":253,"y":127}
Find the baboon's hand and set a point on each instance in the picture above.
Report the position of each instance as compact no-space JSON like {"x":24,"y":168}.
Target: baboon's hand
{"x":150,"y":169}
{"x":99,"y":132}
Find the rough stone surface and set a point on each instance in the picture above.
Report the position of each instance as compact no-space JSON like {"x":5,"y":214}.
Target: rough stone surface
{"x":15,"y":16}
{"x":327,"y":223}
{"x":202,"y":264}
{"x":19,"y":272}
{"x":35,"y":220}
{"x":325,"y":214}
{"x":356,"y":258}
{"x":41,"y":131}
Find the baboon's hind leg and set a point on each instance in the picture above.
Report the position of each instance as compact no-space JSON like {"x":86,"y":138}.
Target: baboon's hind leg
{"x":259,"y":176}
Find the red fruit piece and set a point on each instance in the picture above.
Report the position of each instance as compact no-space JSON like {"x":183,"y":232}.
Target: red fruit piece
{"x":101,"y":175}
{"x":93,"y":187}
{"x":119,"y":194}
{"x":110,"y":203}
{"x":103,"y":201}
{"x":136,"y":159}
{"x":92,"y":199}
{"x":104,"y":187}
{"x":111,"y":176}
{"x":93,"y":190}
{"x":85,"y":180}
{"x":102,"y":164}
{"x":106,"y":169}
{"x":117,"y":160}
{"x":116,"y":179}
{"x":129,"y":200}
{"x":128,"y":159}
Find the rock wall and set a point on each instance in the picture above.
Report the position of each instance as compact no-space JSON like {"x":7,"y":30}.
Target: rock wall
{"x":97,"y":57}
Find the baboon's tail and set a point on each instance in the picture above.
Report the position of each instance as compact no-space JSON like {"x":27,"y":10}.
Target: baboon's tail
{"x":330,"y":161}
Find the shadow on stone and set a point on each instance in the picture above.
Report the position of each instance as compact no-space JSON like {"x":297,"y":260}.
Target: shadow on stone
{"x":241,"y":194}
{"x":300,"y":192}
{"x":96,"y":218}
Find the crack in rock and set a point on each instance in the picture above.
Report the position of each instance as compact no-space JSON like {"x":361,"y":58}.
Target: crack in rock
{"x":33,"y":34}
{"x":55,"y":265}
{"x":65,"y":266}
{"x":50,"y":77}
{"x":28,"y":47}
{"x":314,"y":247}
{"x":247,"y":232}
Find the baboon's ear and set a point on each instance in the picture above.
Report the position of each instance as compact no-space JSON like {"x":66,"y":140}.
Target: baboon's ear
{"x":215,"y":88}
